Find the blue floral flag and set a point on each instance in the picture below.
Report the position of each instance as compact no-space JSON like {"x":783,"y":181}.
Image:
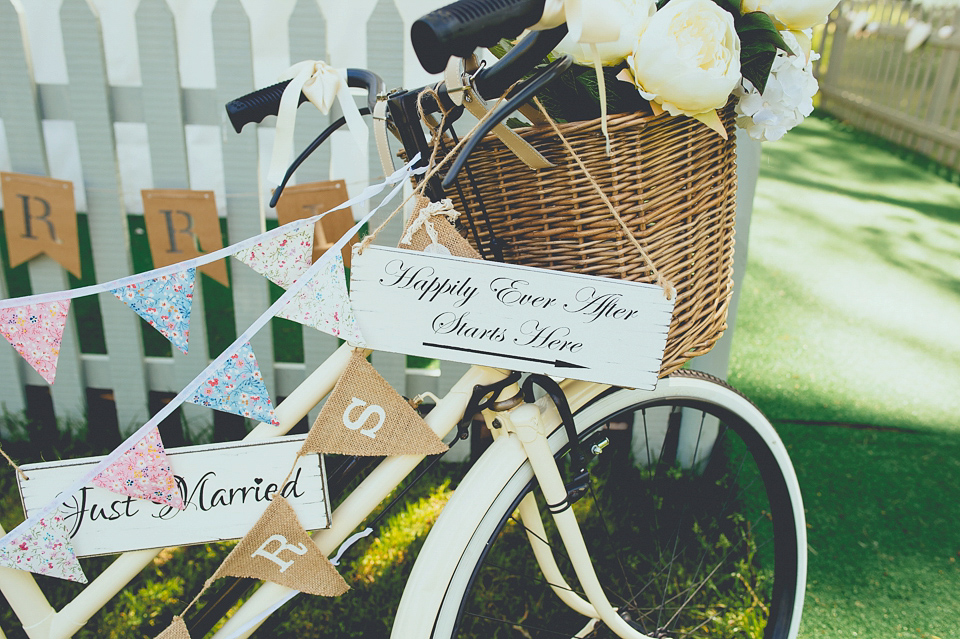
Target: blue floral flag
{"x":237,"y":387}
{"x":164,"y":302}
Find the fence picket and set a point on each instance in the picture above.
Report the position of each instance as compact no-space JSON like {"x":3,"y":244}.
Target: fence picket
{"x":17,"y":93}
{"x":90,"y":104}
{"x":233,"y":60}
{"x":21,"y":115}
{"x":162,"y":113}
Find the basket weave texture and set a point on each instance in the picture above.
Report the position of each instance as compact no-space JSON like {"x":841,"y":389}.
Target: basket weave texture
{"x":671,"y":179}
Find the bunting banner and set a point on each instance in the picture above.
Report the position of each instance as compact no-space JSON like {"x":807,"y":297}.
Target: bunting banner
{"x":35,"y":331}
{"x":40,"y":218}
{"x":143,"y":472}
{"x":365,"y":416}
{"x":428,"y":229}
{"x":237,"y":387}
{"x":278,"y":549}
{"x":164,"y":302}
{"x":43,"y":548}
{"x":306,"y":200}
{"x":23,"y":306}
{"x":176,"y":630}
{"x":323,"y":303}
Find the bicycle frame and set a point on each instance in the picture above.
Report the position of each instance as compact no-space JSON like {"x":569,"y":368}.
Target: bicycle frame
{"x":40,"y":620}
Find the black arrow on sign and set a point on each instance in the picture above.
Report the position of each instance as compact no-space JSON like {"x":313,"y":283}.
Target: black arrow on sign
{"x":558,"y":363}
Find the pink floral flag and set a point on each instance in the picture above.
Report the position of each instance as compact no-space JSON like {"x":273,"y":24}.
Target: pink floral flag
{"x":44,"y":548}
{"x":237,"y":387}
{"x":323,"y":302}
{"x":143,"y":472}
{"x":35,"y":331}
{"x":164,"y":302}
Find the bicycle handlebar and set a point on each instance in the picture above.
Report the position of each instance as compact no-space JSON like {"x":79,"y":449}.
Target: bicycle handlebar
{"x":459,"y":28}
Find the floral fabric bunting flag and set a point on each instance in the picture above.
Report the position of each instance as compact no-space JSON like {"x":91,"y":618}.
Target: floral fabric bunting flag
{"x":278,"y":549}
{"x":324,"y":304}
{"x":45,"y":549}
{"x":281,"y":259}
{"x":143,"y":472}
{"x":165,"y":303}
{"x":35,"y":331}
{"x":237,"y":387}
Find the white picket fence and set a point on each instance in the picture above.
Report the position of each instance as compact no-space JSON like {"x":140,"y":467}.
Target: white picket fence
{"x":119,"y":96}
{"x":122,"y":96}
{"x":871,"y":80}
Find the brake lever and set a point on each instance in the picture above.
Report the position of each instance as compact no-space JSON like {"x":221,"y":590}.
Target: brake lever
{"x":521,"y":95}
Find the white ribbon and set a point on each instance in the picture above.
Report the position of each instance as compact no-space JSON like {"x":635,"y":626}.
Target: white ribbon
{"x":588,"y":21}
{"x":443,"y":207}
{"x":322,"y":84}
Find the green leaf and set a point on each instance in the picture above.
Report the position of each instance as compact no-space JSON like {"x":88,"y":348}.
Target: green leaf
{"x":756,"y":27}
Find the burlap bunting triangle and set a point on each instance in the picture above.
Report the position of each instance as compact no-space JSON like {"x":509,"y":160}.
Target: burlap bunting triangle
{"x":365,"y":416}
{"x":165,"y":303}
{"x":143,"y":472}
{"x":278,"y":549}
{"x":447,"y":235}
{"x":35,"y":331}
{"x":44,"y":548}
{"x":176,"y":630}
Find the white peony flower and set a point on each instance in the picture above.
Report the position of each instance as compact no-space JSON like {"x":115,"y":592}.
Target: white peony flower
{"x":688,"y":57}
{"x":798,"y":14}
{"x":631,"y":15}
{"x":787,"y":98}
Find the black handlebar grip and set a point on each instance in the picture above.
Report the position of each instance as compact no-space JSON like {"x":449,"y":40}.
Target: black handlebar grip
{"x":459,"y":28}
{"x":254,"y":107}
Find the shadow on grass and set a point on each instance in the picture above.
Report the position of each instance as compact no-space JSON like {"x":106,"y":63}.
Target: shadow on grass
{"x":882,"y":508}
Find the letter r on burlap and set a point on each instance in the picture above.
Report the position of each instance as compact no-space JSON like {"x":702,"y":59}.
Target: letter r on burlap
{"x":278,"y":549}
{"x":365,"y":416}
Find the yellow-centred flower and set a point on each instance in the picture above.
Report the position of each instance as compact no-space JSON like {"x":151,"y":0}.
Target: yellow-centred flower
{"x":687,"y":58}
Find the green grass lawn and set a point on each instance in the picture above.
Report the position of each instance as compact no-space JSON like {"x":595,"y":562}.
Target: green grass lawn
{"x":848,"y":336}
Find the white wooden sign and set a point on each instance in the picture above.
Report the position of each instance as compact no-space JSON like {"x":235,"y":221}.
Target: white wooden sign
{"x":226,"y":487}
{"x":516,"y":317}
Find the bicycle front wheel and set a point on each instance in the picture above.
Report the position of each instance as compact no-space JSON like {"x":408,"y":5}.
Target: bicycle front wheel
{"x":693,"y":521}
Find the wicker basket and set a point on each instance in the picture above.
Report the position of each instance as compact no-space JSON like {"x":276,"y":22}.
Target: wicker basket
{"x":672,"y":180}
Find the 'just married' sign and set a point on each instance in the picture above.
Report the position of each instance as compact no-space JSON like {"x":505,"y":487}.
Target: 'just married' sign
{"x":226,"y":488}
{"x":506,"y":316}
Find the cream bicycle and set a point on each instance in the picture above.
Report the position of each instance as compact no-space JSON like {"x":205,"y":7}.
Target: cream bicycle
{"x":672,"y":513}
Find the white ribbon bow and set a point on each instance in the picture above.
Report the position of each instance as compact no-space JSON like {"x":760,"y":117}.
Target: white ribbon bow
{"x":321,"y":83}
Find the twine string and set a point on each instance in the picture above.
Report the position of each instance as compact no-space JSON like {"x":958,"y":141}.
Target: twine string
{"x":433,"y":166}
{"x":669,"y":291}
{"x":13,"y":464}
